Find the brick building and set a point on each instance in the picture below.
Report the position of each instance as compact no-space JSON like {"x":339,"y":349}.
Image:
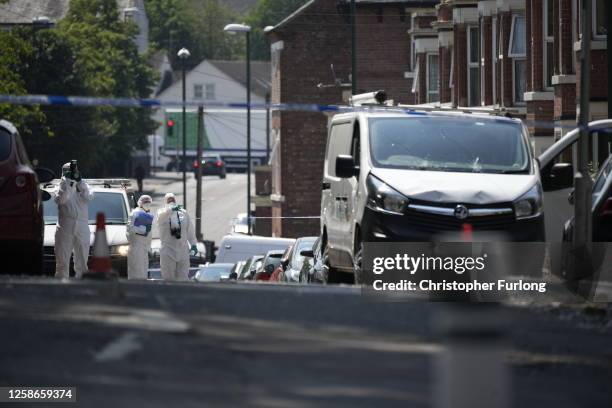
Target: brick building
{"x":304,"y":46}
{"x":483,"y":59}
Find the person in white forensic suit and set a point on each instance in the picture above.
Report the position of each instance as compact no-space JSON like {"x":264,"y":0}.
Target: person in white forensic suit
{"x":139,"y":236}
{"x":72,"y":235}
{"x":178,"y":240}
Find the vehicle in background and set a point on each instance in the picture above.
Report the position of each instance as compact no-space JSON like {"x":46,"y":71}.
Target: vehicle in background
{"x":216,"y":272}
{"x":292,"y":267}
{"x":158,"y":160}
{"x":313,"y":268}
{"x":239,"y":224}
{"x":601,"y":207}
{"x":111,"y":197}
{"x":237,"y":269}
{"x":195,"y":261}
{"x":278,"y":272}
{"x":270,"y":262}
{"x":395,"y":177}
{"x":212,"y":165}
{"x":238,"y":247}
{"x":21,"y":208}
{"x":250,"y":267}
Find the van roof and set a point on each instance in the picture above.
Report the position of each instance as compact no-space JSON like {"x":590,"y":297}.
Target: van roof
{"x":403,"y":112}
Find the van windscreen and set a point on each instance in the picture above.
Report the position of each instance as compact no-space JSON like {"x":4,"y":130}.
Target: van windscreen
{"x":448,"y":144}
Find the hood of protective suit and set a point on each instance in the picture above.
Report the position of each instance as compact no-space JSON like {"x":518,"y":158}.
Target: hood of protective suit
{"x":450,"y":187}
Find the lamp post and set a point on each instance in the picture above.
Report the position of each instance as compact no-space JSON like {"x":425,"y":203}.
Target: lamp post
{"x":183,"y":54}
{"x":243,"y":28}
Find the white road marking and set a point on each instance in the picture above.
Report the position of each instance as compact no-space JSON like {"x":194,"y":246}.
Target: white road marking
{"x":119,"y":348}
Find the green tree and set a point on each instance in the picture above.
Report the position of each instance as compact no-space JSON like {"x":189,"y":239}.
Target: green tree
{"x":196,"y":25}
{"x":112,"y":68}
{"x":266,"y":13}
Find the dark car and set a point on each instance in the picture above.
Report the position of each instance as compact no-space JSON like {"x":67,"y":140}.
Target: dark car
{"x":268,"y":265}
{"x":21,"y":210}
{"x":212,"y":165}
{"x":313,"y":268}
{"x":601,"y":208}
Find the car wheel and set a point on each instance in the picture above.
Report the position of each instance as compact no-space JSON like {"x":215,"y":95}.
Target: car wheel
{"x":222,"y":176}
{"x":332,"y":275}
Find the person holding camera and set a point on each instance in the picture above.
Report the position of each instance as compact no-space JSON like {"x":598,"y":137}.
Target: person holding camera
{"x":178,"y":239}
{"x":72,"y":197}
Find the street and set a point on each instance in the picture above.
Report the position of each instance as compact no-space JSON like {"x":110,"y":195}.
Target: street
{"x":222,"y":199}
{"x":227,"y":345}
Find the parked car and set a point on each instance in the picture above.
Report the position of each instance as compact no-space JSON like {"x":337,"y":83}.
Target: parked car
{"x":398,"y":177}
{"x":238,"y":247}
{"x":111,"y":197}
{"x":195,"y":261}
{"x":250,"y":267}
{"x":292,"y":266}
{"x":601,"y":207}
{"x":212,"y":165}
{"x":277,"y":274}
{"x":214,"y":272}
{"x":268,"y":265}
{"x":21,"y":208}
{"x":313,"y":267}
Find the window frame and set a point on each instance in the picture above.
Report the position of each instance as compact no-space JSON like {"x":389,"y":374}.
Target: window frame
{"x":429,"y":91}
{"x":511,"y":42}
{"x":546,"y":39}
{"x":514,"y":93}
{"x":495,"y":58}
{"x":594,"y":13}
{"x":207,"y":93}
{"x":472,"y":65}
{"x":201,"y":91}
{"x":415,"y":80}
{"x":451,"y":82}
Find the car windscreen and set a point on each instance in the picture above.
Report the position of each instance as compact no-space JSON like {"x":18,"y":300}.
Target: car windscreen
{"x":273,"y":259}
{"x":111,"y":204}
{"x":5,"y":144}
{"x":448,"y":144}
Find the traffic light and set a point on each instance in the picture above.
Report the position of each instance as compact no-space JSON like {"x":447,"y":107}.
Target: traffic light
{"x":170,"y":128}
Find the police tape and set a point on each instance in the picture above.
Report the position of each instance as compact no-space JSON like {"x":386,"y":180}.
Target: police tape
{"x":424,"y":110}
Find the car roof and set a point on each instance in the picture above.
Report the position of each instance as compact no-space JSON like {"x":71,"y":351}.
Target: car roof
{"x":241,"y":238}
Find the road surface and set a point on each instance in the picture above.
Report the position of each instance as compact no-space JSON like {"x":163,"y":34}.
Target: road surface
{"x":222,"y":199}
{"x":156,"y":344}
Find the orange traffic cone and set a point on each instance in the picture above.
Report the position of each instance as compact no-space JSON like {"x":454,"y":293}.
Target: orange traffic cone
{"x":100,"y":264}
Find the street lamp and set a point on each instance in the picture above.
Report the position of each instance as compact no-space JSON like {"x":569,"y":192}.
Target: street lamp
{"x":243,"y":28}
{"x":183,"y":55}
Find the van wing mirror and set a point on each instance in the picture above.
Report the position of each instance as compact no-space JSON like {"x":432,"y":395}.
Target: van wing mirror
{"x":345,"y":166}
{"x":558,"y":177}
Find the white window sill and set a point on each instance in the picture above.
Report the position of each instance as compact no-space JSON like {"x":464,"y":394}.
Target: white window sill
{"x":596,"y":45}
{"x":563,"y":79}
{"x":539,"y":96}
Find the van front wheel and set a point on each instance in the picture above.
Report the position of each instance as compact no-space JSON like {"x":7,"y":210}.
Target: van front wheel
{"x":358,"y":264}
{"x":332,"y":275}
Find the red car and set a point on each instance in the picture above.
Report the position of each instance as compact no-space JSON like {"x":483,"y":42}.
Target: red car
{"x":279,"y":271}
{"x":21,"y":212}
{"x":269,"y":264}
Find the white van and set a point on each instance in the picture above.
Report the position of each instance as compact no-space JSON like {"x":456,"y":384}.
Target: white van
{"x":399,"y":176}
{"x":239,"y":247}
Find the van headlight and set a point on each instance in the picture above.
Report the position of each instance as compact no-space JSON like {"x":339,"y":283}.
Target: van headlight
{"x":529,"y":205}
{"x":383,"y":198}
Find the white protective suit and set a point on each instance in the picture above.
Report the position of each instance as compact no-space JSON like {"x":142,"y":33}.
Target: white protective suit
{"x":139,"y":236}
{"x":72,"y":233}
{"x":174,"y":253}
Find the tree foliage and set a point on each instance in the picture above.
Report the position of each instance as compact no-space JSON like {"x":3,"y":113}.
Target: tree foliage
{"x":268,"y":13}
{"x":91,"y":52}
{"x":194,"y":24}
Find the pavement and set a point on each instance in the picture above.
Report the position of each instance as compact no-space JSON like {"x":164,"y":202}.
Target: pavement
{"x":160,"y":344}
{"x":222,"y":199}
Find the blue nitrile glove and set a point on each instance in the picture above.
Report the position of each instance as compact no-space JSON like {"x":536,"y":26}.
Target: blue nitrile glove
{"x":194,"y":250}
